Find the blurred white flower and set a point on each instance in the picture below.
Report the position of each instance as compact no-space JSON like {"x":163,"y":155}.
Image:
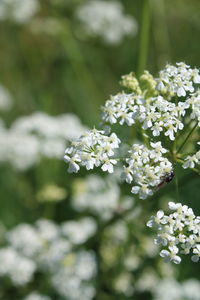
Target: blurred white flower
{"x":39,"y":135}
{"x":6,"y":100}
{"x":25,"y":239}
{"x":47,"y":229}
{"x":47,"y":248}
{"x":19,"y":268}
{"x":21,"y":151}
{"x":36,"y":296}
{"x":19,"y":11}
{"x":51,"y":256}
{"x":72,"y":281}
{"x":98,"y":195}
{"x":191,"y":289}
{"x":169,"y":288}
{"x":106,"y":20}
{"x":78,"y":232}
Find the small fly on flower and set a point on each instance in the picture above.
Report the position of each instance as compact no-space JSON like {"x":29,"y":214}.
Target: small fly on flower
{"x":165,"y":179}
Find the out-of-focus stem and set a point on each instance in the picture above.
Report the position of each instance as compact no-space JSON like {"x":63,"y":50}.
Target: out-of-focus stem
{"x":83,"y":75}
{"x":160,"y":33}
{"x":144,"y":37}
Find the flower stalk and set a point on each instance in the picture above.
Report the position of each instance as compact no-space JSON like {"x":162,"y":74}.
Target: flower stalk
{"x":144,"y":37}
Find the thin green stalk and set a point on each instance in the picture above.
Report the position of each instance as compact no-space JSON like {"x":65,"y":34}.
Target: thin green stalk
{"x":144,"y":37}
{"x":187,"y":137}
{"x":177,"y":188}
{"x":160,"y":32}
{"x":174,"y":150}
{"x":80,"y":69}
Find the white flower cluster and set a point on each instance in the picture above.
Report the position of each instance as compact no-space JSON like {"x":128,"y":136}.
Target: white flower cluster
{"x":18,"y":268}
{"x":123,"y":108}
{"x":178,"y":232}
{"x":72,"y":281}
{"x":105,"y":19}
{"x":147,"y":168}
{"x":155,"y":113}
{"x":6,"y":100}
{"x":93,"y":149}
{"x":178,"y":80}
{"x":101,"y":189}
{"x":152,"y":113}
{"x":19,"y":11}
{"x":36,"y":136}
{"x":36,"y":296}
{"x":49,"y":249}
{"x":71,"y":230}
{"x":187,"y":290}
{"x":194,"y":103}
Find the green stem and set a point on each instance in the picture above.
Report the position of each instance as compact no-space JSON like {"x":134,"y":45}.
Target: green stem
{"x":79,"y":66}
{"x":187,"y":137}
{"x":144,"y":37}
{"x":160,"y":32}
{"x":177,"y":188}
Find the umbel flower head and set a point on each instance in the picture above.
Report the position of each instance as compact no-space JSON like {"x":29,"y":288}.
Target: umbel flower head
{"x":160,"y":114}
{"x":178,"y":232}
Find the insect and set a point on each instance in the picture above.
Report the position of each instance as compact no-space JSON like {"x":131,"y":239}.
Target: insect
{"x":165,"y":179}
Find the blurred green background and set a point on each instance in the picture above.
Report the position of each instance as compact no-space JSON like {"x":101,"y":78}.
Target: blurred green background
{"x":49,"y":65}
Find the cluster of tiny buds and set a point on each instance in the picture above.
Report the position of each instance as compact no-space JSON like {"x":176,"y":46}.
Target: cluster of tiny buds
{"x":178,"y":232}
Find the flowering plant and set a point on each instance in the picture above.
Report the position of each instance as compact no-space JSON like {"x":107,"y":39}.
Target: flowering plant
{"x":159,"y":116}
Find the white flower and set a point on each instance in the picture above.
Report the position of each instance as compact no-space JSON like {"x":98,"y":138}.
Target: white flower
{"x":19,"y":11}
{"x":92,"y":149}
{"x":196,"y":252}
{"x":39,"y":135}
{"x":191,"y":161}
{"x":6,"y":100}
{"x":69,"y":274}
{"x":20,"y":269}
{"x":171,"y":255}
{"x":108,"y":165}
{"x":106,"y":20}
{"x":74,"y":279}
{"x":100,"y":189}
{"x":25,"y":239}
{"x":156,"y":220}
{"x":36,"y":296}
{"x":80,"y":231}
{"x":146,"y":168}
{"x":177,"y":80}
{"x":180,"y":232}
